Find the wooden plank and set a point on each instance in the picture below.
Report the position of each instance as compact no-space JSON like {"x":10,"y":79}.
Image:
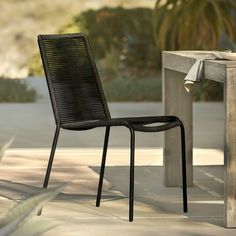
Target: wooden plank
{"x":178,"y":102}
{"x":230,"y":149}
{"x":177,"y":62}
{"x":213,"y":70}
{"x":183,"y":61}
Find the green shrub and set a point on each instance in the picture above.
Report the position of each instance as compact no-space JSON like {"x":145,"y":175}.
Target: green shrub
{"x":128,"y":30}
{"x":14,"y":90}
{"x":125,"y":32}
{"x":109,"y":66}
{"x":136,"y":90}
{"x":139,"y":90}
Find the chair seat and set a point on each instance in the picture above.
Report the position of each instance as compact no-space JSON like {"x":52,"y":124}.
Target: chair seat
{"x":137,"y":123}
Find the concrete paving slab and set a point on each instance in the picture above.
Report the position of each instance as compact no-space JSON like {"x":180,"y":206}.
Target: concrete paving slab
{"x":158,"y":210}
{"x":151,"y":227}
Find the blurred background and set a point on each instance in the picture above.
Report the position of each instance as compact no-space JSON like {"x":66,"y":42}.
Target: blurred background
{"x":127,"y":38}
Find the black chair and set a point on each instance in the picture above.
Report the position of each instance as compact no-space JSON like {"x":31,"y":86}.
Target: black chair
{"x":79,"y":103}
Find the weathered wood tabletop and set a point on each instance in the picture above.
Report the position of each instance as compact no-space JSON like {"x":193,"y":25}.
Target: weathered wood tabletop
{"x":178,"y":101}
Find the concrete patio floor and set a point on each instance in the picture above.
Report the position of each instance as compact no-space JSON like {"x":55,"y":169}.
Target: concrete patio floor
{"x":158,"y":210}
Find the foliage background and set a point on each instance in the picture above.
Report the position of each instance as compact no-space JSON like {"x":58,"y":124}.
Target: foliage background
{"x":22,"y":20}
{"x":127,"y":38}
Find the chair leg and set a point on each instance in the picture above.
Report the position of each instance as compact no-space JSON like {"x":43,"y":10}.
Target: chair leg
{"x":131,"y":187}
{"x":183,"y":149}
{"x":49,"y":167}
{"x":104,"y":154}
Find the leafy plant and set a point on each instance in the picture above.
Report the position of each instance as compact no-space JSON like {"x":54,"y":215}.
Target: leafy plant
{"x":193,"y":24}
{"x":5,"y":147}
{"x":17,"y":219}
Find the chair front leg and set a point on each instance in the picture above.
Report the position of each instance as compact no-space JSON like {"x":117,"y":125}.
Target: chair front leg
{"x":131,"y":185}
{"x":183,"y":149}
{"x":50,"y":162}
{"x":102,"y":170}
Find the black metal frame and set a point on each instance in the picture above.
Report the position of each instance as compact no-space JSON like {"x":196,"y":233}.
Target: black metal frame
{"x":132,"y":123}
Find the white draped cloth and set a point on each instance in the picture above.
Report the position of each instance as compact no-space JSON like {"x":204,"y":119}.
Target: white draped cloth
{"x":195,"y":74}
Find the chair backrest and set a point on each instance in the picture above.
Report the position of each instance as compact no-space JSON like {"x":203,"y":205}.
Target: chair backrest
{"x":73,"y":81}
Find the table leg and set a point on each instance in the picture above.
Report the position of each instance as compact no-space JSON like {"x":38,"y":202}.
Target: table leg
{"x":230,"y":149}
{"x":178,"y":102}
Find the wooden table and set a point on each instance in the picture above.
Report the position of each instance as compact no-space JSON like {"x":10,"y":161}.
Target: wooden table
{"x":178,"y":101}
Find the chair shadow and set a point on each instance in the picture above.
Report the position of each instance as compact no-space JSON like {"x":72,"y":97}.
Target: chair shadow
{"x":205,"y":197}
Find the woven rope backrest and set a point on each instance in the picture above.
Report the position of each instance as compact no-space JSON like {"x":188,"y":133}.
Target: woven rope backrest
{"x":74,"y":85}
